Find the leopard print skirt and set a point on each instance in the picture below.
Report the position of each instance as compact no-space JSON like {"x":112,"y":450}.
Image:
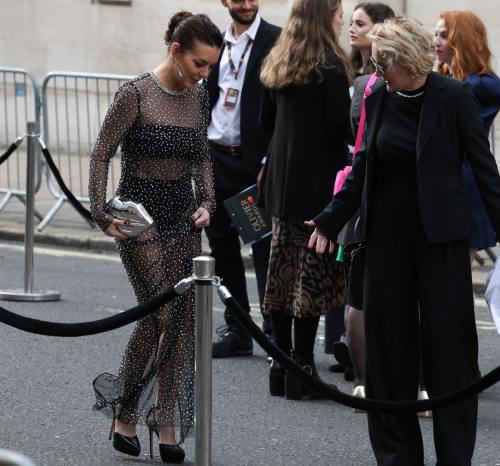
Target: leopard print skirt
{"x":300,"y":281}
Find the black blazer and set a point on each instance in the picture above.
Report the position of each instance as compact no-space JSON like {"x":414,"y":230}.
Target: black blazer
{"x":254,"y":141}
{"x":310,"y":125}
{"x":450,"y":128}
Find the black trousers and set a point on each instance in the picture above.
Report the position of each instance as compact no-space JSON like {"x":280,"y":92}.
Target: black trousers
{"x":230,"y":178}
{"x":403,"y":273}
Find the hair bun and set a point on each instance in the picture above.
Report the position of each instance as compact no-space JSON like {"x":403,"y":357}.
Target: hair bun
{"x":175,"y":20}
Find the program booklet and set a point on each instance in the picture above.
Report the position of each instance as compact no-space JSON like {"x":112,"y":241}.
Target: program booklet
{"x":253,"y":223}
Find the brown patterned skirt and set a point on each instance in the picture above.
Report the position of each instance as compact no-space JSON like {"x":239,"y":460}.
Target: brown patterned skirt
{"x":300,"y":281}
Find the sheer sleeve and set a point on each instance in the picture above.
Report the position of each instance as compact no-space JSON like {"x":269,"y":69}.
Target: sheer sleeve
{"x":120,"y":117}
{"x":202,"y":172}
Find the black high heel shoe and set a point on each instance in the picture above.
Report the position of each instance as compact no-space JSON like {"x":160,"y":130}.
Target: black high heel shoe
{"x":122,"y":443}
{"x":277,"y":379}
{"x":294,"y":388}
{"x":168,"y":453}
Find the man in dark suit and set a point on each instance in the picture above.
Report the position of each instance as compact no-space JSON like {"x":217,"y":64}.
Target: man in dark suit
{"x":237,"y":150}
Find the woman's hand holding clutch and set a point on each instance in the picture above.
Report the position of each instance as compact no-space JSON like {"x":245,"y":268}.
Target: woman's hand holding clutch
{"x":114,"y":229}
{"x":321,"y":238}
{"x":201,"y":218}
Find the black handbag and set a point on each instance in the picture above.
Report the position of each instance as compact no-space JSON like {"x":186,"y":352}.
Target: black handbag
{"x":354,"y":272}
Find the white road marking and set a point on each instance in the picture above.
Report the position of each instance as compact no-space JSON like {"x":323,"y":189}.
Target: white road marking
{"x":62,"y":253}
{"x":113,"y":257}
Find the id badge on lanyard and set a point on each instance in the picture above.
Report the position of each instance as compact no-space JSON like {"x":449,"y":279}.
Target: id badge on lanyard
{"x":231,"y":98}
{"x":232,"y":94}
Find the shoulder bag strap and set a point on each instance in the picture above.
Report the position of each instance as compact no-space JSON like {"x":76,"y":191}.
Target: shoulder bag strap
{"x":361,"y":127}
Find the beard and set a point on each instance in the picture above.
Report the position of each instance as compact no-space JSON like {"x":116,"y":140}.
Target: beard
{"x":236,"y":17}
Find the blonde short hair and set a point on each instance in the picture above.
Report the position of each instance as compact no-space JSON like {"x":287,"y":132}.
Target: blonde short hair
{"x":404,"y":40}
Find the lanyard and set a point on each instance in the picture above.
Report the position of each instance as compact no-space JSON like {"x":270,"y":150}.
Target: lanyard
{"x":231,"y":64}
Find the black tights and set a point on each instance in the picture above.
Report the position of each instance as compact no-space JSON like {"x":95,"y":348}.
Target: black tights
{"x":304,"y":333}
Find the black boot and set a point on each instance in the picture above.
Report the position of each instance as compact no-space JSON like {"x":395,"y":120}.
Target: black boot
{"x":277,"y":379}
{"x":294,"y":388}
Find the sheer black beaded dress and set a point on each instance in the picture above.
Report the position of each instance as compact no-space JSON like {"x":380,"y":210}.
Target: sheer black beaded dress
{"x":165,"y":166}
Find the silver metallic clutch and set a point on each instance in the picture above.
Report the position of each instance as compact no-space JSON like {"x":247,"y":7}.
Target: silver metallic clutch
{"x":140,"y":220}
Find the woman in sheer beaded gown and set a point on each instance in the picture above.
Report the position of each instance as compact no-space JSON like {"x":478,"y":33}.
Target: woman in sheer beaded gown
{"x":160,"y":121}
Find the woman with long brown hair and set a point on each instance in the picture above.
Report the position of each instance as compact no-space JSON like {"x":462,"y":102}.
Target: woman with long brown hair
{"x":463,"y":53}
{"x":306,"y":105}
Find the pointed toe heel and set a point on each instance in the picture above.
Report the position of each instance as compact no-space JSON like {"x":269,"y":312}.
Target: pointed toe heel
{"x":359,"y":392}
{"x":123,"y":444}
{"x":424,"y":414}
{"x":171,"y":453}
{"x":168,"y":453}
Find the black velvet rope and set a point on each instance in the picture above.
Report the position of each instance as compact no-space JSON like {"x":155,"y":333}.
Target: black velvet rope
{"x":71,"y":198}
{"x":55,"y":329}
{"x":385,"y":407}
{"x":9,"y":152}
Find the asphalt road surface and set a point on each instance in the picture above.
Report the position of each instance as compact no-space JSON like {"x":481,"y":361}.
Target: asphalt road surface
{"x":46,"y":383}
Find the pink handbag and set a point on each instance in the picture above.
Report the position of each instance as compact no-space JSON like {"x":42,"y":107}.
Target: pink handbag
{"x":342,"y":174}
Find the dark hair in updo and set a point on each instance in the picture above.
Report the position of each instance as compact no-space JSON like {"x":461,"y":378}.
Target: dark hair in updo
{"x":378,"y":13}
{"x":186,"y":29}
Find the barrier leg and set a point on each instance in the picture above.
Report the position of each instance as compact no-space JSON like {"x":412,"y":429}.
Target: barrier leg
{"x":53,"y":211}
{"x":203,"y":278}
{"x":5,"y":200}
{"x":22,"y":198}
{"x":29,"y":238}
{"x":491,"y":254}
{"x":55,"y":208}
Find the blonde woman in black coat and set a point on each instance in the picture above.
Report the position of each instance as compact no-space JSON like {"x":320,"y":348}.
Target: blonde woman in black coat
{"x":416,"y":220}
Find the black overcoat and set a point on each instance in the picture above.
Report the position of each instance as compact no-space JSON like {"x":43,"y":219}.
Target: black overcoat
{"x":310,"y":124}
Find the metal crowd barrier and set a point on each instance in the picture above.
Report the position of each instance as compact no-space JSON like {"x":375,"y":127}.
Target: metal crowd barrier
{"x":74,"y":105}
{"x":28,"y":294}
{"x":19,"y":103}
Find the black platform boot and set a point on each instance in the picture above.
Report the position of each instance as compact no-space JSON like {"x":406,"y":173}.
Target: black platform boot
{"x":277,"y":379}
{"x":294,"y":388}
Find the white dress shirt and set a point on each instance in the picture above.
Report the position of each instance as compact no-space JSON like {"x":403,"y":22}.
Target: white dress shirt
{"x":224,"y":127}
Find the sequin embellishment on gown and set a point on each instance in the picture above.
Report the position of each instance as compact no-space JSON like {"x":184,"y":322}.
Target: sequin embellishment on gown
{"x":165,"y":166}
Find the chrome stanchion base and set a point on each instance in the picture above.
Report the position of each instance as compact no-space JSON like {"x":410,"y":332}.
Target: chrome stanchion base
{"x":21,"y":295}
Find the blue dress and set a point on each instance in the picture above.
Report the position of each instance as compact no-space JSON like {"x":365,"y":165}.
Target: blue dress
{"x":486,"y":88}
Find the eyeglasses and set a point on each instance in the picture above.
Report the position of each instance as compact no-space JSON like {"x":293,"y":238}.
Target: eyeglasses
{"x":377,"y":65}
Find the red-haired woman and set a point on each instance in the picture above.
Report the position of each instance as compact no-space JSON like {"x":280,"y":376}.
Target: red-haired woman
{"x":463,"y":53}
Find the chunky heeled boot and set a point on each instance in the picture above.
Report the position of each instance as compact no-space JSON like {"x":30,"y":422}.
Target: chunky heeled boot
{"x":294,"y":388}
{"x":277,"y":379}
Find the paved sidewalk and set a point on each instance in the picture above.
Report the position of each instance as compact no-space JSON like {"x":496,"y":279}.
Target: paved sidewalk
{"x":69,"y":229}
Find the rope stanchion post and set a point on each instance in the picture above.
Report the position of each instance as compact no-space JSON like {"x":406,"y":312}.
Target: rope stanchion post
{"x":29,"y":238}
{"x":203,"y":278}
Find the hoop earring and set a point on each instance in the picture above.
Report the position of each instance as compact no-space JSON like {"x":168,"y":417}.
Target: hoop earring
{"x":178,"y":69}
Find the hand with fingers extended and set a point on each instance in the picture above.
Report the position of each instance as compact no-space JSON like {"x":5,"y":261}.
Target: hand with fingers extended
{"x":114,"y":229}
{"x":322,"y":240}
{"x":201,"y":218}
